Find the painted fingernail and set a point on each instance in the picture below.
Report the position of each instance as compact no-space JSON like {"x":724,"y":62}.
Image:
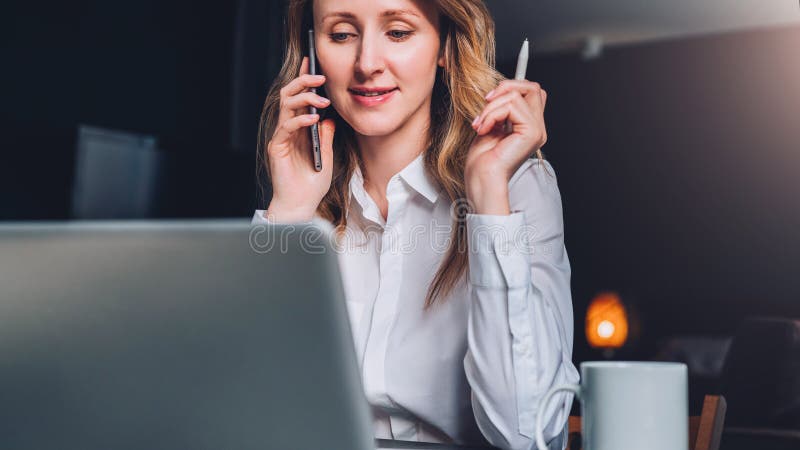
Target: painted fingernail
{"x":325,"y":100}
{"x":475,"y":121}
{"x":489,"y":95}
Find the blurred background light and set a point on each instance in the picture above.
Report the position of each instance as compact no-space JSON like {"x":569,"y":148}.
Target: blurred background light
{"x":607,"y":321}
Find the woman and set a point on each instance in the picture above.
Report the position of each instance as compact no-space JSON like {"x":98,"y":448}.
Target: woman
{"x":458,"y":287}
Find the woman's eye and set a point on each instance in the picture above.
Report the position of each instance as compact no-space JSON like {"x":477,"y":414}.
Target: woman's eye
{"x":339,"y":37}
{"x":396,"y":35}
{"x":399,"y":35}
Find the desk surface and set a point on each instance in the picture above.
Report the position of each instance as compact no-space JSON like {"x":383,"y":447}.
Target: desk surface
{"x":385,"y":444}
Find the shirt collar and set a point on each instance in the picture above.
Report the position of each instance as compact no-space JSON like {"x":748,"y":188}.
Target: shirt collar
{"x":413,"y":174}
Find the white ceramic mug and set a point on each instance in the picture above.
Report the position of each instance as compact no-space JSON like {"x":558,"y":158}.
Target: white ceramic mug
{"x":629,"y":406}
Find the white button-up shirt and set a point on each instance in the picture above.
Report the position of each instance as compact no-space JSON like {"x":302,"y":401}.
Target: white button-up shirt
{"x":478,"y":362}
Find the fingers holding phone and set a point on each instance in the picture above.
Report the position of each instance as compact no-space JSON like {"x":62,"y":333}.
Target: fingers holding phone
{"x":297,"y":186}
{"x":297,"y":98}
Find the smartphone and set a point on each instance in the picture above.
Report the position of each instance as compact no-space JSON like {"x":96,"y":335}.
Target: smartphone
{"x":314,"y":129}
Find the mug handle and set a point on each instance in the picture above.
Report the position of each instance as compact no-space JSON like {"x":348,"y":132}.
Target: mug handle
{"x":574,"y":388}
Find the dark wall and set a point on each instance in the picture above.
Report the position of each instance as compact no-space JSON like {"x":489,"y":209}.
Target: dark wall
{"x":160,"y":68}
{"x":678,"y":164}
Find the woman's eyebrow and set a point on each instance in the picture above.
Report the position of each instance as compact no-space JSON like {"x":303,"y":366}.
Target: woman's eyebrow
{"x":398,"y":12}
{"x":342,"y":14}
{"x":386,"y":13}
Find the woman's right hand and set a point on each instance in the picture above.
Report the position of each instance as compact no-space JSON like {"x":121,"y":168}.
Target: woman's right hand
{"x":297,"y":188}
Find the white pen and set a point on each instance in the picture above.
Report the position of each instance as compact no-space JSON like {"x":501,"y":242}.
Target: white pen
{"x":519,"y":74}
{"x":522,"y":61}
{"x":522,"y":68}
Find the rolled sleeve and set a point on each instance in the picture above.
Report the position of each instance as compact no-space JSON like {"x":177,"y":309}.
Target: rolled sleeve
{"x":497,"y":257}
{"x":520,"y":323}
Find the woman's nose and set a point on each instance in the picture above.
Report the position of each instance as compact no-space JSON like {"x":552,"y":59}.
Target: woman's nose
{"x":370,"y":57}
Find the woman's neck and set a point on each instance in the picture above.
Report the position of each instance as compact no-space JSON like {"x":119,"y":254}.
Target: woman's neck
{"x":385,"y":156}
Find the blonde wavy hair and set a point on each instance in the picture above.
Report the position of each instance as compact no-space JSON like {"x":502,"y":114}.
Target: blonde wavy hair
{"x":467,"y":38}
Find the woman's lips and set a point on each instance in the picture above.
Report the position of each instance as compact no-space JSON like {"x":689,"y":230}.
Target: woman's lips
{"x":374,"y":100}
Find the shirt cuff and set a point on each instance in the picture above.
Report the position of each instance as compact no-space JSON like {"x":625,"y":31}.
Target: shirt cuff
{"x":499,"y":250}
{"x":259,"y":218}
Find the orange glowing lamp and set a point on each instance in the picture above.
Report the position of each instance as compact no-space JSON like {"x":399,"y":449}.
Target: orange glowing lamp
{"x":606,"y":321}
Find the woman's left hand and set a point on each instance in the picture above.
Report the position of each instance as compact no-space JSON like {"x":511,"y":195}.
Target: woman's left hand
{"x":495,"y":155}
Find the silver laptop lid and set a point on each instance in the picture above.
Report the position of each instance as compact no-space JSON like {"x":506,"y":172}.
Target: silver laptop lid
{"x":175,"y":335}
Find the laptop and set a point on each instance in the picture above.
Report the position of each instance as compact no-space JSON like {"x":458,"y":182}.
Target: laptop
{"x":175,"y":335}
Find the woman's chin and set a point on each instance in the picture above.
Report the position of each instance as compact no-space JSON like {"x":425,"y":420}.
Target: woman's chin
{"x":374,"y":127}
